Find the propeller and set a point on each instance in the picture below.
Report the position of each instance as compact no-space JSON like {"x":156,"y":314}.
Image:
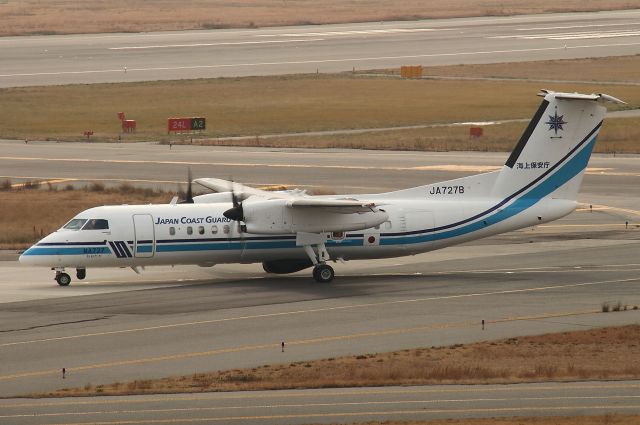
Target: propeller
{"x":189,"y":196}
{"x":236,"y":213}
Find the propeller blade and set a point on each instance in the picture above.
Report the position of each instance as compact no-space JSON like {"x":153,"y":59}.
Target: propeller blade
{"x":189,"y":195}
{"x":236,"y":213}
{"x":189,"y":199}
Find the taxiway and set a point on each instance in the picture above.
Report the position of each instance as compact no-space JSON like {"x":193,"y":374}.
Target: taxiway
{"x":118,"y":326}
{"x":47,"y":60}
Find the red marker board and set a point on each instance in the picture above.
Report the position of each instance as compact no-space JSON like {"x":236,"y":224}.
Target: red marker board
{"x":183,"y":125}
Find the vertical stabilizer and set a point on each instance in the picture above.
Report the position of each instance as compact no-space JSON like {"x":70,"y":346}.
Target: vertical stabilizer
{"x":552,"y":154}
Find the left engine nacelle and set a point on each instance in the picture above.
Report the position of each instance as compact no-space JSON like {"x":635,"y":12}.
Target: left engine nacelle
{"x":273,"y":216}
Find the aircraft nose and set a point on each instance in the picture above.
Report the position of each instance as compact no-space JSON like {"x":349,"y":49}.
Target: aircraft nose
{"x":24,"y":257}
{"x":28,"y":257}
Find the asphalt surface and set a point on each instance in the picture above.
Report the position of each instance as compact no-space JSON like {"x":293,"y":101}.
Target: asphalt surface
{"x":336,"y":405}
{"x":46,"y":60}
{"x":118,"y":326}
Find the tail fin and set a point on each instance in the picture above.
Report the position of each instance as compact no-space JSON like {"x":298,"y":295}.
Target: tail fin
{"x":553,"y":152}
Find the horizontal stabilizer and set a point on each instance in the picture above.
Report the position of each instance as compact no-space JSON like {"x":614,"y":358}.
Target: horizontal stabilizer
{"x":598,"y":97}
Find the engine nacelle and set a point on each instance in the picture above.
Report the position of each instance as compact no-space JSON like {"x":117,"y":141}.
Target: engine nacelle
{"x":273,"y":216}
{"x":286,"y":266}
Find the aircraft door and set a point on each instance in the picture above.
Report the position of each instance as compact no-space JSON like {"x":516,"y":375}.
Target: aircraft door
{"x":145,"y":241}
{"x":418,"y":221}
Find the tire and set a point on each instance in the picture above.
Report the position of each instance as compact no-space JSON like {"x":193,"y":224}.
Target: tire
{"x":63,"y":279}
{"x":323,"y":273}
{"x":81,"y":273}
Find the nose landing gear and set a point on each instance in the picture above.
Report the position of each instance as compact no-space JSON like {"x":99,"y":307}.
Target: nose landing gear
{"x":62,"y":278}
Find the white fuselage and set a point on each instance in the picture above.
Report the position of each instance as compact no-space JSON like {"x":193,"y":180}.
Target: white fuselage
{"x":144,"y":235}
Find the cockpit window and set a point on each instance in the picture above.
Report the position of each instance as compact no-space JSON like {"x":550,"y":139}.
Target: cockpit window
{"x":96,"y":224}
{"x":75,"y":224}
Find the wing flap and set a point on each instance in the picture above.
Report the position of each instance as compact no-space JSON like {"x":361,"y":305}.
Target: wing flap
{"x":345,"y":206}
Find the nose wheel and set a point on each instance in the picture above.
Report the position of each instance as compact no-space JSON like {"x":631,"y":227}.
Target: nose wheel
{"x":63,"y":279}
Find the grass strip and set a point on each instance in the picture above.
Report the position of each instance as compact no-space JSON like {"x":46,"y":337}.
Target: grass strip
{"x":595,"y":354}
{"x":26,"y":17}
{"x":266,"y":105}
{"x":21,"y":210}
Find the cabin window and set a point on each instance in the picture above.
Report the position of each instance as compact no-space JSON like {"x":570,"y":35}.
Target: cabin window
{"x":189,"y":230}
{"x":214,"y":230}
{"x":75,"y":224}
{"x":337,"y":235}
{"x":96,"y":224}
{"x":172,"y":231}
{"x":201,"y":230}
{"x":226,"y":229}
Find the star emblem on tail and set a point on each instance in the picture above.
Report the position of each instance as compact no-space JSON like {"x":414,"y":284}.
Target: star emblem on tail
{"x":556,"y":122}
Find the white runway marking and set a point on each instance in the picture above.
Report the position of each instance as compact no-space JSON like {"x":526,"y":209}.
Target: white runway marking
{"x":355,"y":32}
{"x":320,"y":61}
{"x":566,"y":27}
{"x":236,"y":43}
{"x":572,"y":35}
{"x":329,"y":404}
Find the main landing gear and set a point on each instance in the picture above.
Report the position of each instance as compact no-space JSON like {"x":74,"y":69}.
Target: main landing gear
{"x":322,"y":272}
{"x":64,"y":279}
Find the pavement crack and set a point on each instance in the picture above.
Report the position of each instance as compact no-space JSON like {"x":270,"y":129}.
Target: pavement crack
{"x":29,"y":328}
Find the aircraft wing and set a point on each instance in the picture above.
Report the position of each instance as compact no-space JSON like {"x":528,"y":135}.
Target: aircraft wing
{"x":342,"y":205}
{"x":241,"y":191}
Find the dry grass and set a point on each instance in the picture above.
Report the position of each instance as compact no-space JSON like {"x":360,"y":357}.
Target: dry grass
{"x":594,"y":354}
{"x":618,"y":135}
{"x":263,"y":105}
{"x":24,"y":17}
{"x":258,"y":105}
{"x":607,"y":419}
{"x":27,"y":215}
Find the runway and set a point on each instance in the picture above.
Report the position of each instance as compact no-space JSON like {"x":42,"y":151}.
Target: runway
{"x":118,"y":326}
{"x":47,"y":60}
{"x":610,"y":179}
{"x":337,"y":405}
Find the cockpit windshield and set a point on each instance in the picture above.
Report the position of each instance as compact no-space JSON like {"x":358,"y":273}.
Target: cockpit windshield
{"x":87,"y":224}
{"x":75,"y":224}
{"x":96,"y":224}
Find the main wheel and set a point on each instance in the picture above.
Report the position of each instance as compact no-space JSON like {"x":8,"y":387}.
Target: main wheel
{"x":63,"y":279}
{"x":81,"y":273}
{"x":323,"y":273}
